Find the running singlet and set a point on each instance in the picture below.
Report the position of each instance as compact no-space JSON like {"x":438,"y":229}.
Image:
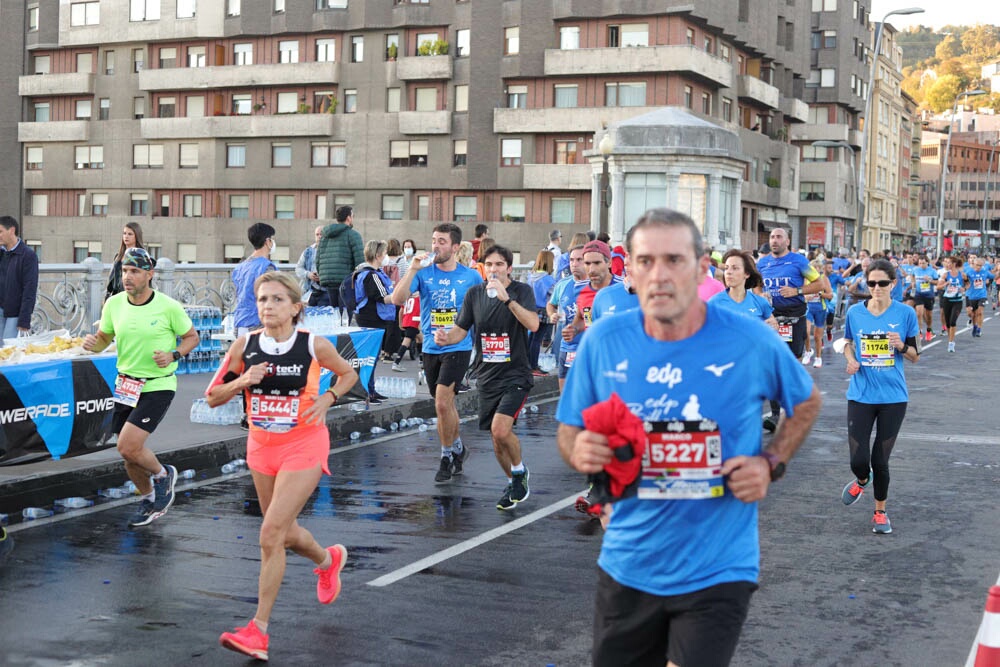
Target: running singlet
{"x":585,"y":297}
{"x":612,"y":300}
{"x":139,"y":331}
{"x":978,"y":280}
{"x":753,"y":305}
{"x":880,"y":379}
{"x":925,"y":281}
{"x":289,"y":387}
{"x":792,"y":270}
{"x":700,"y":398}
{"x":410,"y":317}
{"x":441,"y":295}
{"x":954,"y":286}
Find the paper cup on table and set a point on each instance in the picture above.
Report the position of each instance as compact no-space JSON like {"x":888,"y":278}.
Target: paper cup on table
{"x":839,"y":345}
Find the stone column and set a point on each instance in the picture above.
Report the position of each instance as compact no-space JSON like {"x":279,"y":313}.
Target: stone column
{"x":673,"y":183}
{"x":164,"y":276}
{"x":616,"y":214}
{"x":712,"y":209}
{"x":95,"y":284}
{"x":595,"y":201}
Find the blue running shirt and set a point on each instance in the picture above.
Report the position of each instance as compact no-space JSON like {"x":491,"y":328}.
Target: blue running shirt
{"x":978,"y":280}
{"x":881,"y":378}
{"x":613,"y":300}
{"x":792,"y":270}
{"x":710,"y":385}
{"x":441,"y":296}
{"x":753,"y":305}
{"x":925,"y":281}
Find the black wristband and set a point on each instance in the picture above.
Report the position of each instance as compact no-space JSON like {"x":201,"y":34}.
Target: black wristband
{"x":177,"y":355}
{"x":508,"y":302}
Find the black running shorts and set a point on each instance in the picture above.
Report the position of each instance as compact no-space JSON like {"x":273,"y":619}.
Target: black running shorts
{"x":146,"y":414}
{"x":505,"y":399}
{"x":446,"y":369}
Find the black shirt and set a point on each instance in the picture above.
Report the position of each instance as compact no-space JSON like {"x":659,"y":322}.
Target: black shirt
{"x":505,"y":338}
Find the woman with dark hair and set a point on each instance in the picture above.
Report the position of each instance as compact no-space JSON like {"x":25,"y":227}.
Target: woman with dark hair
{"x":393,"y":257}
{"x":952,"y":286}
{"x":880,"y":334}
{"x":741,"y":278}
{"x":131,"y":238}
{"x":541,"y":282}
{"x":409,"y":249}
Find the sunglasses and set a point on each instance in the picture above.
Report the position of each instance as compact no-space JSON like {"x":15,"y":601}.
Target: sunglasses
{"x":879,"y":283}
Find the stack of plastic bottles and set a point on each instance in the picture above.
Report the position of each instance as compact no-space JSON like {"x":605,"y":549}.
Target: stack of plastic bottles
{"x":547,"y":362}
{"x":326,"y":320}
{"x":228,"y":413}
{"x":396,"y":387}
{"x":207,"y":320}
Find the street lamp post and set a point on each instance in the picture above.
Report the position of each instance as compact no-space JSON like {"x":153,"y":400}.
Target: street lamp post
{"x":859,"y":205}
{"x":986,"y":198}
{"x":605,"y":146}
{"x":863,"y":166}
{"x":944,"y":166}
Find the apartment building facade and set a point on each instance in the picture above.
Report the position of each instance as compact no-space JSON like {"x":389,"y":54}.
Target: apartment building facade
{"x":196,"y":118}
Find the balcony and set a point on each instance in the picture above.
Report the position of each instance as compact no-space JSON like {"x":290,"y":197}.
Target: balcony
{"x":577,"y":119}
{"x":826,"y":132}
{"x":243,"y":76}
{"x":425,"y":122}
{"x":640,"y":59}
{"x":752,"y":88}
{"x":423,"y":68}
{"x":794,"y":110}
{"x":45,"y":85}
{"x":558,"y":176}
{"x":56,"y":130}
{"x":240,"y":127}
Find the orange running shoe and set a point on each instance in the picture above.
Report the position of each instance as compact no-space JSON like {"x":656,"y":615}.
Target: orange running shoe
{"x":328,"y":586}
{"x":248,"y":640}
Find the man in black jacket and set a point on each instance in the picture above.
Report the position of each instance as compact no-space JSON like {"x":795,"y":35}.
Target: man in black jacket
{"x":340,"y":251}
{"x":18,"y":280}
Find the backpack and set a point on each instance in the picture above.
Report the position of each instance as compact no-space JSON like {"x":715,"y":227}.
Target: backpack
{"x":348,"y":299}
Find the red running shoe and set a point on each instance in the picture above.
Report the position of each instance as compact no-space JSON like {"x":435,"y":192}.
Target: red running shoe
{"x":247,"y":640}
{"x":328,"y":585}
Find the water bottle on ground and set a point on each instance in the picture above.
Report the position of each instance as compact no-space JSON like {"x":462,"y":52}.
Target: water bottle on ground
{"x":129,"y":486}
{"x":377,"y":430}
{"x":422,"y":428}
{"x":186,"y":474}
{"x":114,"y":492}
{"x":393,"y":427}
{"x":233,"y":466}
{"x":534,"y":409}
{"x":75,"y":502}
{"x":29,"y":513}
{"x":355,"y":435}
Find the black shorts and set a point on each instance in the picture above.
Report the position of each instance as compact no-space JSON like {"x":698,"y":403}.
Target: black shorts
{"x":146,"y":414}
{"x":974,"y":304}
{"x":702,"y":628}
{"x":505,"y":399}
{"x":446,"y":369}
{"x":927,"y":301}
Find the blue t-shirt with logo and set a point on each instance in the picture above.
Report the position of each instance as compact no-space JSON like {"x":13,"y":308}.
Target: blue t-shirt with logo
{"x":717,"y":378}
{"x":753,"y":305}
{"x":791,"y":270}
{"x":925,"y":281}
{"x":441,"y":296}
{"x":954,"y":286}
{"x":978,"y":280}
{"x":900,"y":286}
{"x":613,"y":300}
{"x":880,"y":378}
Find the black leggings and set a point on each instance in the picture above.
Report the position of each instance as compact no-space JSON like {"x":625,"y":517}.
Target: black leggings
{"x":861,"y":417}
{"x":951,"y":310}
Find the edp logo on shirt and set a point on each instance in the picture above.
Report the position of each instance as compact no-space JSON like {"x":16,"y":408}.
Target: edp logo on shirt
{"x":667,"y":375}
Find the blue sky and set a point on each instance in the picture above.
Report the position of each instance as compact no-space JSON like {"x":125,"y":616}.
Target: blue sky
{"x":939,"y":12}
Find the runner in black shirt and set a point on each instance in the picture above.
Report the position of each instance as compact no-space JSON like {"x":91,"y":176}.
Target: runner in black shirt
{"x":502,"y":312}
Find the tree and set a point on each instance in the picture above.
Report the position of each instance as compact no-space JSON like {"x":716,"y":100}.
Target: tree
{"x":955,"y":68}
{"x":982,"y":43}
{"x":942,"y":93}
{"x":949,"y":48}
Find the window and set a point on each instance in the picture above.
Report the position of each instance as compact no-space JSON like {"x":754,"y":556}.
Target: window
{"x":186,"y":9}
{"x":625,"y":94}
{"x":243,"y":104}
{"x":32,"y":19}
{"x":39,"y":205}
{"x":88,"y":157}
{"x":425,"y":40}
{"x":461,"y":152}
{"x":194,"y":106}
{"x":643,"y":191}
{"x":517,"y":97}
{"x":829,"y":39}
{"x":357,"y":49}
{"x":391,"y":46}
{"x":689,"y":36}
{"x":635,"y":34}
{"x":708,"y":44}
{"x":43,"y":64}
{"x":243,"y":54}
{"x":166,"y":107}
{"x":188,"y":156}
{"x":562,"y":210}
{"x":196,"y":56}
{"x":326,"y":50}
{"x":566,"y":96}
{"x":41,"y":112}
{"x":192,"y":206}
{"x":281,"y":155}
{"x":706,"y":104}
{"x":392,"y":207}
{"x":342,"y":200}
{"x":510,"y":152}
{"x":144,"y":10}
{"x":34,"y":158}
{"x":727,"y":110}
{"x":331,"y":4}
{"x":392,"y":100}
{"x":565,"y":152}
{"x":461,"y":97}
{"x":109,"y":62}
{"x":691,"y":197}
{"x":462,"y":43}
{"x":85,"y":63}
{"x":84,"y":249}
{"x":239,"y":206}
{"x":287,"y":102}
{"x":236,"y":155}
{"x":512,"y":209}
{"x":279,"y":6}
{"x":350,"y":100}
{"x":85,"y":13}
{"x":827,"y":77}
{"x":284,"y":206}
{"x":321,"y":206}
{"x":569,"y":37}
{"x":512,"y":41}
{"x":288,"y":51}
{"x":138,"y":60}
{"x":82,"y":109}
{"x":407,"y":153}
{"x":232,"y":253}
{"x":812,"y":191}
{"x":688,"y":94}
{"x":147,"y":156}
{"x":232,"y":7}
{"x":465,"y":209}
{"x":323,"y":100}
{"x":614,"y":36}
{"x":824,"y":5}
{"x":168,"y":57}
{"x":138,"y":204}
{"x":813,"y":80}
{"x":725,"y":53}
{"x":423,"y":207}
{"x":814,"y":154}
{"x":329,"y":154}
{"x":426,"y":99}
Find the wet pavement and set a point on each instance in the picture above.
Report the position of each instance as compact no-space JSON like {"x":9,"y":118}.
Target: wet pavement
{"x":517,"y":589}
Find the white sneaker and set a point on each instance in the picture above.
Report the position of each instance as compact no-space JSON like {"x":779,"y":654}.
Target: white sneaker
{"x":807,"y":357}
{"x":818,"y":363}
{"x":398,"y":368}
{"x":951,"y":347}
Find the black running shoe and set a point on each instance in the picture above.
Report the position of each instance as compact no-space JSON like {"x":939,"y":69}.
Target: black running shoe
{"x":145,"y":515}
{"x":458,"y":460}
{"x":165,"y":490}
{"x":506,"y":503}
{"x":519,"y":486}
{"x":445,"y":471}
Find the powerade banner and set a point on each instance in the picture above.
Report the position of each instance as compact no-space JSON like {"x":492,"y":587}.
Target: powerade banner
{"x":361,"y":350}
{"x":58,"y":408}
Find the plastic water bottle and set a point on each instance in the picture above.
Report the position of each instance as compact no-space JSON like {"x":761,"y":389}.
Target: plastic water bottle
{"x":355,"y":435}
{"x":186,"y":474}
{"x":357,"y":406}
{"x":416,"y":421}
{"x":29,"y":513}
{"x":428,"y":260}
{"x":377,"y":430}
{"x":410,"y":387}
{"x":393,"y":427}
{"x":534,"y":409}
{"x":75,"y":502}
{"x":404,"y":422}
{"x":422,"y":428}
{"x":129,"y":486}
{"x":228,"y":468}
{"x":114,"y":492}
{"x":490,"y":292}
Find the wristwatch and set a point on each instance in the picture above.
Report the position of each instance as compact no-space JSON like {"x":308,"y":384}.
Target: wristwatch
{"x":177,"y":355}
{"x":799,"y":291}
{"x":777,"y":465}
